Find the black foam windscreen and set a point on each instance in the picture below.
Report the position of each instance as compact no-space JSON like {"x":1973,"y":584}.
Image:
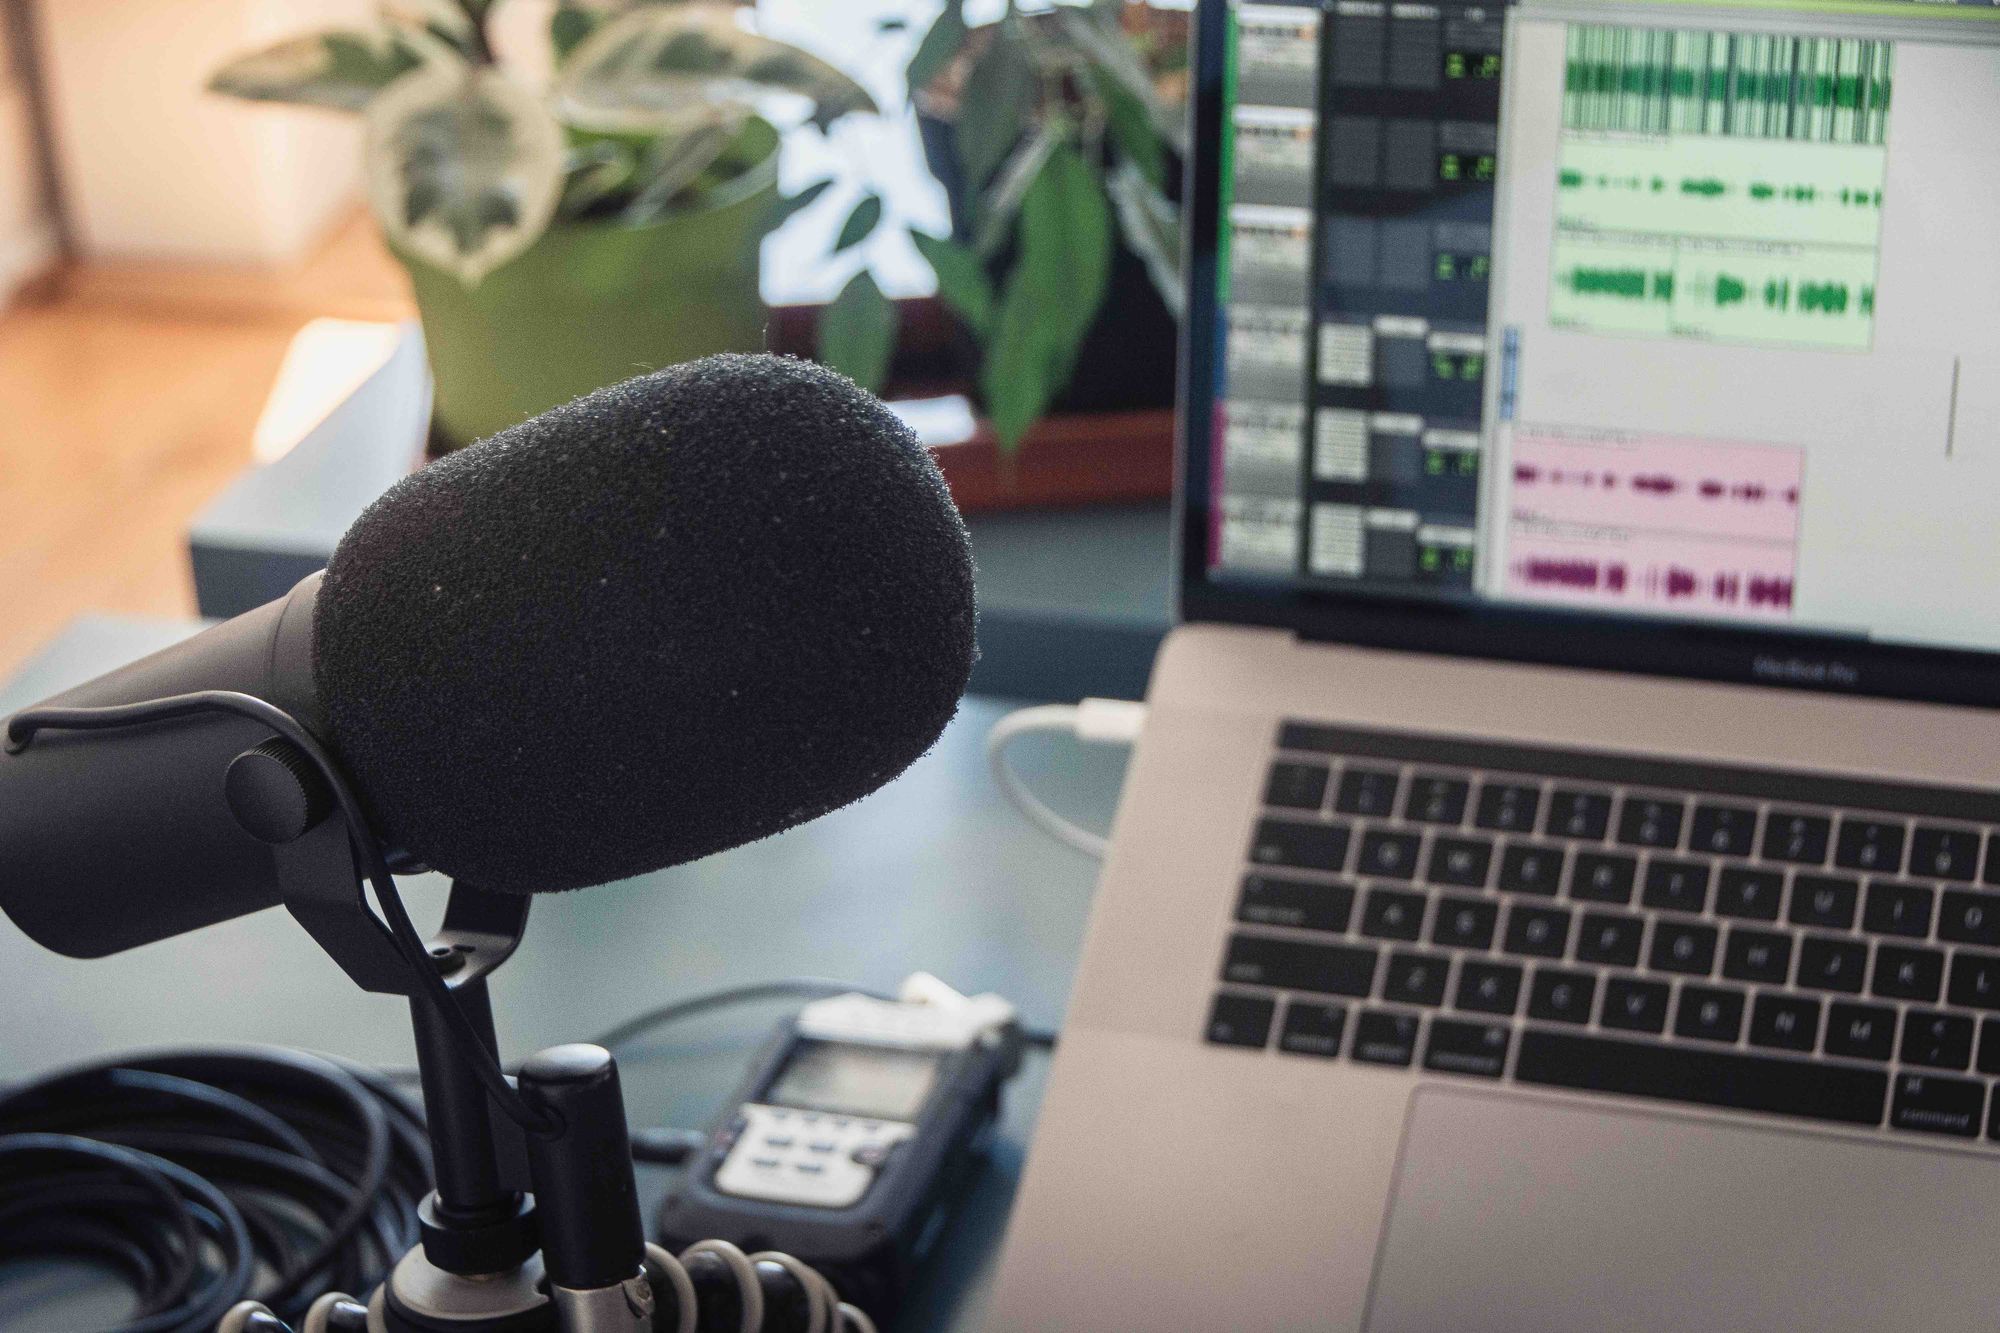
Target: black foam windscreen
{"x":674,"y":616}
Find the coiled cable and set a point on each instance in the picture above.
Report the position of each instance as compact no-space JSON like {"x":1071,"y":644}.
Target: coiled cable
{"x":208,"y":1177}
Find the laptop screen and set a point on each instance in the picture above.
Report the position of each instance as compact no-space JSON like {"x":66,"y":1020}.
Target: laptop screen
{"x":1651,"y":335}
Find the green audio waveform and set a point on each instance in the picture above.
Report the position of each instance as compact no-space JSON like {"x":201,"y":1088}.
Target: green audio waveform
{"x":1822,"y":89}
{"x":1711,"y":187}
{"x":1727,"y":289}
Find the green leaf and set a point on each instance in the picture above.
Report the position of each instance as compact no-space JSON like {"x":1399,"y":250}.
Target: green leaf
{"x":860,"y":224}
{"x":962,"y":280}
{"x":939,"y":47}
{"x":1132,"y":128}
{"x":857,"y":333}
{"x":596,"y":173}
{"x":465,"y":167}
{"x":673,"y":163}
{"x":568,"y":26}
{"x":995,"y":211}
{"x":341,"y":70}
{"x":1151,"y":226}
{"x":793,"y":205}
{"x":659,"y":67}
{"x":1053,"y":294}
{"x":998,"y":96}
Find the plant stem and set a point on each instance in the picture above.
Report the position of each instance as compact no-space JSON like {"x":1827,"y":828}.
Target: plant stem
{"x":476,"y":15}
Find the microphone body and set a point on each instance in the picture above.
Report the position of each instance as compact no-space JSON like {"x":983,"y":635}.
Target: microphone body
{"x":110,"y":840}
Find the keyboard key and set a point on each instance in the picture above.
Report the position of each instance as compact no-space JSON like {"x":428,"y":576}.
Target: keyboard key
{"x":1726,"y":830}
{"x":1610,"y":938}
{"x":1603,"y":877}
{"x":1790,"y":835}
{"x":1708,"y":1013}
{"x":1990,"y":872}
{"x":1391,"y":914}
{"x":1969,"y":918}
{"x":1932,"y":1105}
{"x":1676,"y":886}
{"x":1383,"y":1038}
{"x":1531,"y":868}
{"x":1682,"y":947}
{"x":1826,"y":901}
{"x":1488,"y":988}
{"x":1944,"y":853}
{"x":1869,"y":844}
{"x":1936,"y":1040}
{"x":1578,"y":814}
{"x":1561,"y":997}
{"x":1468,"y":1048}
{"x":1727,"y":1079}
{"x":1336,"y":969}
{"x":1651,"y":821}
{"x":1905,"y":973}
{"x":1461,"y":862}
{"x":1860,"y":1031}
{"x":1898,"y":909}
{"x":1287,"y":842}
{"x":1539,"y":932}
{"x":1507,"y":807}
{"x":1975,"y":980}
{"x":1784,"y":1022}
{"x":1830,"y":964}
{"x":1367,"y":791}
{"x":1296,"y":786}
{"x":1750,"y":894}
{"x":1757,"y":955}
{"x":1435,"y":799}
{"x":1634,"y":1005}
{"x":1312,"y":1028}
{"x":1240,"y":1020}
{"x":1415,"y":978}
{"x":1268,"y":900}
{"x":1989,"y":1046}
{"x":1387,"y":855}
{"x":1465,"y":923}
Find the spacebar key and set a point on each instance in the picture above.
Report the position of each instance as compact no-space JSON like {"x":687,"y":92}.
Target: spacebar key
{"x":1713,"y":1078}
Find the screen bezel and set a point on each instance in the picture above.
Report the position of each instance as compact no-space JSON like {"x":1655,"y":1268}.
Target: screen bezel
{"x":1779,"y":659}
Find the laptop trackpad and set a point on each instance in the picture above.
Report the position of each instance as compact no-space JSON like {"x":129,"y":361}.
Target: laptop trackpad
{"x":1518,"y":1216}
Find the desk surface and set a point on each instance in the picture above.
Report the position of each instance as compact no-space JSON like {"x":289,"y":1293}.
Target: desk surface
{"x":935,"y":872}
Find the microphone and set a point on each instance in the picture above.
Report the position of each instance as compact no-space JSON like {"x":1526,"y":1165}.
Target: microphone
{"x":674,"y":616}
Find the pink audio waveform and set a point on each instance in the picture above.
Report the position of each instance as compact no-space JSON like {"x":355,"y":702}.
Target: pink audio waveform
{"x":1668,"y":583}
{"x":1651,"y":522}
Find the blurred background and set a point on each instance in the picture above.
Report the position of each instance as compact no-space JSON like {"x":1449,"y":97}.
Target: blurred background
{"x":260,"y":257}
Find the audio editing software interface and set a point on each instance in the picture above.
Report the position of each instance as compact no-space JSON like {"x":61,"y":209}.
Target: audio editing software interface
{"x":1664,"y":308}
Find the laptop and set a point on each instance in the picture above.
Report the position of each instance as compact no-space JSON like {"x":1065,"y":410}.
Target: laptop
{"x":1558,"y":887}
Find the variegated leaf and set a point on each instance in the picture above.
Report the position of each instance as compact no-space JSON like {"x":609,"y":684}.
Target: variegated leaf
{"x":465,"y":167}
{"x":341,"y":70}
{"x":660,"y":67}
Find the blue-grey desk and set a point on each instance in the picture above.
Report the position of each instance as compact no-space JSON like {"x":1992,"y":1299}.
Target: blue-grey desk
{"x":934,"y":872}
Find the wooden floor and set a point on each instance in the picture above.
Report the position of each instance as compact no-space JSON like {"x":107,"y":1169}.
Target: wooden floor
{"x":127,"y":398}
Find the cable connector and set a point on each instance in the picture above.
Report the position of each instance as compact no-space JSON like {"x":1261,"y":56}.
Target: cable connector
{"x":1110,"y":721}
{"x":1093,"y":721}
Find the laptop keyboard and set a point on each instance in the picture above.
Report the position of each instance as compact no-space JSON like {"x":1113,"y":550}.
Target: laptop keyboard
{"x":1791,"y":944}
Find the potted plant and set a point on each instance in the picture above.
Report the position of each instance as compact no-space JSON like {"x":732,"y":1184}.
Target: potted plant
{"x":1058,"y":137}
{"x":563,"y":234}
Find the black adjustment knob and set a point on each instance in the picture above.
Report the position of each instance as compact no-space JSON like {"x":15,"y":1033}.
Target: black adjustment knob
{"x":275,"y":792}
{"x":584,"y":1189}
